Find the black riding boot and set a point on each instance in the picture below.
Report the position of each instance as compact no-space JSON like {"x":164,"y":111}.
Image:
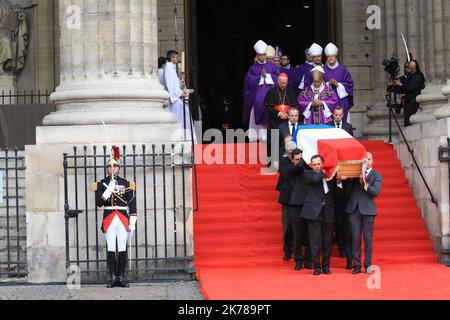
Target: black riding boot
{"x":121,"y":280}
{"x":112,"y":267}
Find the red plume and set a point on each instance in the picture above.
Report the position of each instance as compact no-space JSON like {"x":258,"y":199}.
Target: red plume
{"x":116,"y":152}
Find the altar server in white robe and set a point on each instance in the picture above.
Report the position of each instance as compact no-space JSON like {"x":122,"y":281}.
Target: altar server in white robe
{"x":174,"y":87}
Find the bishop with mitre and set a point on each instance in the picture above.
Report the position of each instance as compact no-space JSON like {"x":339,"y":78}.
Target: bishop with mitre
{"x":317,"y":101}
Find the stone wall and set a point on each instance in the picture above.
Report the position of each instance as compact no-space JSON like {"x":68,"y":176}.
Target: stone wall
{"x":425,"y":139}
{"x":42,"y":63}
{"x":167,"y":33}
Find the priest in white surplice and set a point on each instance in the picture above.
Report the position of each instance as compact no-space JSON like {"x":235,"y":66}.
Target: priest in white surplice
{"x":174,"y":86}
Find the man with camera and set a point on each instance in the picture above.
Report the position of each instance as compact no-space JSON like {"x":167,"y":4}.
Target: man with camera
{"x":411,"y":87}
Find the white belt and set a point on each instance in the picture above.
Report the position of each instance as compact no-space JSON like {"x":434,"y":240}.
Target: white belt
{"x":116,"y":208}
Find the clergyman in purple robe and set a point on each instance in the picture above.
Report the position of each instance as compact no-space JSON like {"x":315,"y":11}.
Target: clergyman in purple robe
{"x":314,"y":58}
{"x":302,"y":71}
{"x":340,"y":80}
{"x":317,"y":101}
{"x":261,"y":77}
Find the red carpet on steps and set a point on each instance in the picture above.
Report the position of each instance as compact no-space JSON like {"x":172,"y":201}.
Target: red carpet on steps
{"x":238,"y":246}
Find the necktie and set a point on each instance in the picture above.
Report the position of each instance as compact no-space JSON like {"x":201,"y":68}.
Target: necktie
{"x":338,"y":125}
{"x":293,"y":129}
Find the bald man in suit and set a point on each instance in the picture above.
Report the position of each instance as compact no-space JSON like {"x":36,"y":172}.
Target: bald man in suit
{"x":362,"y":209}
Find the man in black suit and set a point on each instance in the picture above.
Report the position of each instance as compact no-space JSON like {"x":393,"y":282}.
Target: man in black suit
{"x":362,"y":209}
{"x":284,"y":188}
{"x":342,"y":225}
{"x":318,"y":209}
{"x":289,"y":128}
{"x":299,"y":191}
{"x":339,"y":123}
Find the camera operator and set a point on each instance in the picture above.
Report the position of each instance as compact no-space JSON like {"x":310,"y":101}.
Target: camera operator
{"x":406,"y":73}
{"x":411,"y":87}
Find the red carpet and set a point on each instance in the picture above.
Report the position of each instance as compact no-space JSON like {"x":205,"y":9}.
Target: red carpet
{"x":238,"y":245}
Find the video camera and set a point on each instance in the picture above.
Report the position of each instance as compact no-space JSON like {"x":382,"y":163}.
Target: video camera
{"x":392,"y":67}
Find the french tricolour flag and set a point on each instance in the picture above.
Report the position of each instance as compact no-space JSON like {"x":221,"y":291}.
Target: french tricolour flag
{"x":335,"y":145}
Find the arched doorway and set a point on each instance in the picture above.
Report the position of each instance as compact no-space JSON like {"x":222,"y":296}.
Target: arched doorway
{"x":220,"y":36}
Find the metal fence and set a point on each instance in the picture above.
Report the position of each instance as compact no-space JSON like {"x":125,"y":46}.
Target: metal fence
{"x":9,"y":97}
{"x":160,"y":247}
{"x":12,"y":214}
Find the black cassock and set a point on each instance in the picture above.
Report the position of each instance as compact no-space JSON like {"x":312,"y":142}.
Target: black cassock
{"x":278,"y":101}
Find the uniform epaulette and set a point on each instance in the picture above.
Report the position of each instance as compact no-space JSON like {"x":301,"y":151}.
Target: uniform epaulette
{"x":94,"y":186}
{"x":132,"y":185}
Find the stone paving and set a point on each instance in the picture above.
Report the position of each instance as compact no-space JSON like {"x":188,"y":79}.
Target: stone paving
{"x":137,"y":291}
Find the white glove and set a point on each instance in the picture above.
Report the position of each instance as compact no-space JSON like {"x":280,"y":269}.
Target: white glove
{"x":109,"y":190}
{"x":133,"y":220}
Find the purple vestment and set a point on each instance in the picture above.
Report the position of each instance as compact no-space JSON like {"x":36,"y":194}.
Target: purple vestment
{"x":255,"y":94}
{"x":343,"y":77}
{"x":303,"y":71}
{"x":305,"y":99}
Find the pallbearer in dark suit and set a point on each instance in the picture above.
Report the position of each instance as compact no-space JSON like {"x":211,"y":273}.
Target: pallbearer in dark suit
{"x":318,"y":209}
{"x":342,"y":225}
{"x":339,"y":123}
{"x":284,"y":188}
{"x":362,"y":209}
{"x":299,"y":192}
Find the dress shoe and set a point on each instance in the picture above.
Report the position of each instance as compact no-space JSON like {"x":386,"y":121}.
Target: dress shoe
{"x":349,"y":266}
{"x":326,"y":271}
{"x":112,"y":281}
{"x":298,"y":266}
{"x":287,"y":257}
{"x":356,"y":270}
{"x":122,"y":282}
{"x":308,"y":265}
{"x":317,"y":272}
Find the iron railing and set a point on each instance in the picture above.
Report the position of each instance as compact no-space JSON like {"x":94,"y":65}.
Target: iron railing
{"x":192,"y":140}
{"x":11,"y":97}
{"x":391,"y":98}
{"x":160,"y":247}
{"x":12,"y":214}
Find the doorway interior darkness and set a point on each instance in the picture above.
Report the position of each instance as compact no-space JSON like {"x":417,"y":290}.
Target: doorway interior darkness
{"x":222,"y":39}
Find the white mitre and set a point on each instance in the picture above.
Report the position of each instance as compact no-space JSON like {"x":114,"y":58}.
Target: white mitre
{"x":315,"y":50}
{"x":331,"y":50}
{"x":261,"y":47}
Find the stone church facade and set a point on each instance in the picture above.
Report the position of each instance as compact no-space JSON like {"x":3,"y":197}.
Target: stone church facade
{"x":58,"y":58}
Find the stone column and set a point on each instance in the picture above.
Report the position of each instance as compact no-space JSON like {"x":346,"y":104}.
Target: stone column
{"x":108,"y":73}
{"x":414,"y":29}
{"x":437,"y":70}
{"x":446,"y":17}
{"x":378,"y":126}
{"x":429,"y":40}
{"x":438,"y":35}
